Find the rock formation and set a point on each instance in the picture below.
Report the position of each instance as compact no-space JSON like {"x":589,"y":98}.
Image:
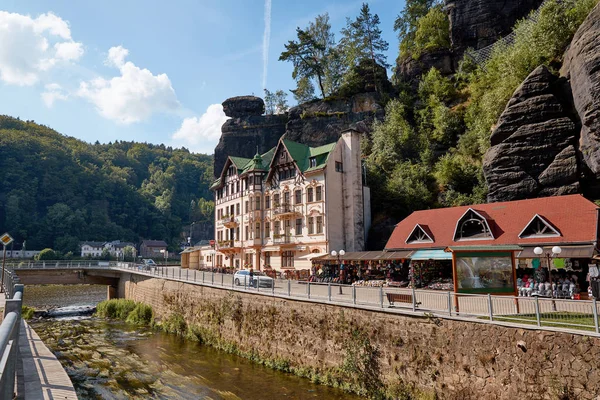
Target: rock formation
{"x":479,"y":23}
{"x":246,"y":129}
{"x":547,"y":140}
{"x":533,"y":151}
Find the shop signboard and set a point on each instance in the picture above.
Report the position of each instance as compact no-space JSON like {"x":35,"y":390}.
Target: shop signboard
{"x":484,"y":272}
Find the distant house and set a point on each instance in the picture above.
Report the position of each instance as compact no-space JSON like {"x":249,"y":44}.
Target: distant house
{"x":91,"y":249}
{"x":152,"y":248}
{"x":116,"y":247}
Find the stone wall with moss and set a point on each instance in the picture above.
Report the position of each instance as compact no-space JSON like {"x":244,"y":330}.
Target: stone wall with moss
{"x":378,"y":354}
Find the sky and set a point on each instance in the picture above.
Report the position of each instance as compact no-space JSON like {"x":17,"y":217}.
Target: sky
{"x":153,"y":71}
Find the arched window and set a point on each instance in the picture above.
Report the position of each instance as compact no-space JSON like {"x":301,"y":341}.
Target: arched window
{"x":472,"y":226}
{"x":538,"y":227}
{"x":419,"y":235}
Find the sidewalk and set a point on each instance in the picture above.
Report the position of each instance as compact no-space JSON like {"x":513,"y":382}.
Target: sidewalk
{"x":40,"y":375}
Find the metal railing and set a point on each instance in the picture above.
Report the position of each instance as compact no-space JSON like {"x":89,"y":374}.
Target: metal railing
{"x":555,"y":314}
{"x":9,"y":342}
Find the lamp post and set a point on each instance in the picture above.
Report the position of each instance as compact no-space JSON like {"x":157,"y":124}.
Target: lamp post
{"x":338,"y":255}
{"x":556,"y":250}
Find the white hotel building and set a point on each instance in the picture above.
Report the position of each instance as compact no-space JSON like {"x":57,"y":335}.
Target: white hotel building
{"x":284,"y":207}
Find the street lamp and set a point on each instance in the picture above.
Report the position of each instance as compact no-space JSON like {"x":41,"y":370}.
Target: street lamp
{"x":338,"y":255}
{"x":166,"y":253}
{"x":556,"y":250}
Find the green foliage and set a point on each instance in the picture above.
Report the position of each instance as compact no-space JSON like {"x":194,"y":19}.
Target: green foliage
{"x":27,"y":312}
{"x":305,"y":90}
{"x":128,"y":253}
{"x":361,"y":365}
{"x":58,"y":190}
{"x":406,"y":23}
{"x":115,"y":308}
{"x":142,"y":314}
{"x":275,"y":102}
{"x":433,"y":32}
{"x":365,"y":77}
{"x":175,"y":324}
{"x":361,"y":39}
{"x":46,"y":254}
{"x":536,"y":42}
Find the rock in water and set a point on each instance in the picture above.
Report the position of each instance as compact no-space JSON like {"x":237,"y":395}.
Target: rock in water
{"x":582,"y":67}
{"x":534,"y":144}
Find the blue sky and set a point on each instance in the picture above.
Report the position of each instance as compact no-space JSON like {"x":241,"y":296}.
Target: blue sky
{"x":151,"y":71}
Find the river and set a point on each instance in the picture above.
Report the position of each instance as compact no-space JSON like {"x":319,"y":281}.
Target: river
{"x":115,"y":360}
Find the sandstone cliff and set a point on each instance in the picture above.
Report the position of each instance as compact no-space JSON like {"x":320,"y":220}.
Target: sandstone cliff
{"x":547,"y":140}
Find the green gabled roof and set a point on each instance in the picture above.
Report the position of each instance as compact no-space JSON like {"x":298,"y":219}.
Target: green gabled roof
{"x":299,"y":153}
{"x":265,"y":161}
{"x":240,"y":162}
{"x":321,"y":153}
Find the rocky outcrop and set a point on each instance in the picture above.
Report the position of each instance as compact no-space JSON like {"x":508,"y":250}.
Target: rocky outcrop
{"x":534,"y":144}
{"x":478,"y":23}
{"x":409,"y":70}
{"x":247,"y":129}
{"x":321,"y":122}
{"x":582,"y":67}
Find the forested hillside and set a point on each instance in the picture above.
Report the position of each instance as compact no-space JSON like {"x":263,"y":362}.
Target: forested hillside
{"x":56,"y":191}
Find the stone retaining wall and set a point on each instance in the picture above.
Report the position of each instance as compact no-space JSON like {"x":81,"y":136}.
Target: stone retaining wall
{"x":454,"y":359}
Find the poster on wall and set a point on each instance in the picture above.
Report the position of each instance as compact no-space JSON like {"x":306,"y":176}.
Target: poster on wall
{"x":484,"y":273}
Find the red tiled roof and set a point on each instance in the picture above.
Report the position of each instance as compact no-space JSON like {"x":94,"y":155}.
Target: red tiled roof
{"x":573,"y":216}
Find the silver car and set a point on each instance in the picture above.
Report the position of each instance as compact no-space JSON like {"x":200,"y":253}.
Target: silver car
{"x":259,"y":279}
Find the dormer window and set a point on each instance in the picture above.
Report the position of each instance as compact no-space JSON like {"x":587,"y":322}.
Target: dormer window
{"x":312,"y":162}
{"x":419,"y":235}
{"x":472,"y":226}
{"x":538,"y":227}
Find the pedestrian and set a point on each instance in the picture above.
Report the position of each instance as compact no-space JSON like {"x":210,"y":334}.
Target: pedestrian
{"x":251,"y":277}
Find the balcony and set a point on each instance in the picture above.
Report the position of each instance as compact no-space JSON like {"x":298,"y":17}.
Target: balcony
{"x":284,"y":210}
{"x":229,"y":221}
{"x":284,"y":239}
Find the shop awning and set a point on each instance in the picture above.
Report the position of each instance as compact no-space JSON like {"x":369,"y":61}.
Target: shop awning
{"x":271,"y":248}
{"x":368,"y":256}
{"x":311,"y":256}
{"x":582,"y":251}
{"x":422,"y":255}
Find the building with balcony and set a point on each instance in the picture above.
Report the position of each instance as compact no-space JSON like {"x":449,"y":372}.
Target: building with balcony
{"x":282,"y":208}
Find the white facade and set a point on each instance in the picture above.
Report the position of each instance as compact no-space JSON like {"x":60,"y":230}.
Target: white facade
{"x":115,"y":248}
{"x":291,"y":204}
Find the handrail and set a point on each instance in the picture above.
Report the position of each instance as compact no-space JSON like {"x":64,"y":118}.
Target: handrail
{"x":9,"y":342}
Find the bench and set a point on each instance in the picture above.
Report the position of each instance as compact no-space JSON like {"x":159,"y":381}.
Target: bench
{"x":399,"y":298}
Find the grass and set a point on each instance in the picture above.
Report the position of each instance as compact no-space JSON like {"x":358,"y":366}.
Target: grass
{"x":562,"y":319}
{"x":27,"y":312}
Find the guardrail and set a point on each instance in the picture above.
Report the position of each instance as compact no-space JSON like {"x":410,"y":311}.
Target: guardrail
{"x":580,"y":315}
{"x":9,"y":342}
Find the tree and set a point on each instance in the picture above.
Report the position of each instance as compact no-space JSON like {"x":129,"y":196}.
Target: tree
{"x":305,"y":56}
{"x":362,"y":39}
{"x":275,"y":103}
{"x":406,"y":22}
{"x":105,"y":254}
{"x":433,"y":32}
{"x":315,"y":56}
{"x":128,"y":253}
{"x":46,"y":254}
{"x":305,"y":90}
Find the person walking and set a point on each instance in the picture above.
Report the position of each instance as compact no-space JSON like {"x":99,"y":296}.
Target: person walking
{"x":251,"y":277}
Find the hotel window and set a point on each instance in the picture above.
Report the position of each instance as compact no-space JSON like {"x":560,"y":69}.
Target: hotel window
{"x":312,"y":162}
{"x":267,"y":230}
{"x":276,"y":228}
{"x":287,"y":259}
{"x":247,"y":206}
{"x":237,"y":187}
{"x":319,"y":224}
{"x":267,"y":202}
{"x":257,"y":203}
{"x":227,"y":190}
{"x":339,"y":167}
{"x":298,"y":226}
{"x":311,"y":225}
{"x":257,"y":231}
{"x":237,"y":209}
{"x":319,"y":195}
{"x":237,"y":233}
{"x":247,"y":232}
{"x":267,"y":258}
{"x":298,"y":194}
{"x":286,"y":198}
{"x":309,"y":195}
{"x":276,"y":200}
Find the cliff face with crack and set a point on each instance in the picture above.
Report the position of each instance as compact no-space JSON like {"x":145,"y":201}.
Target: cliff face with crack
{"x":547,"y":140}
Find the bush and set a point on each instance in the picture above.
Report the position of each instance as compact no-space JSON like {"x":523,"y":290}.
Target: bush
{"x":46,"y":254}
{"x":175,"y":324}
{"x":142,"y":314}
{"x":115,"y":308}
{"x":27,"y":312}
{"x":433,"y":32}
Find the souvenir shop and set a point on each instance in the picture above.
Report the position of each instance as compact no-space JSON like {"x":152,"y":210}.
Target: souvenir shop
{"x":573,"y":273}
{"x":431,"y":270}
{"x":369,"y":268}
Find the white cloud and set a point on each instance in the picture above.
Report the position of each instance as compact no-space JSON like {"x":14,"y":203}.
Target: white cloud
{"x":116,"y":56}
{"x":30,"y":46}
{"x":131,"y":97}
{"x":202,"y":134}
{"x":52,"y":93}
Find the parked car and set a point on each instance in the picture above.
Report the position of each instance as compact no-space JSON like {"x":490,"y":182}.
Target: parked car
{"x":242,"y":278}
{"x":150,"y":262}
{"x":147,"y":264}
